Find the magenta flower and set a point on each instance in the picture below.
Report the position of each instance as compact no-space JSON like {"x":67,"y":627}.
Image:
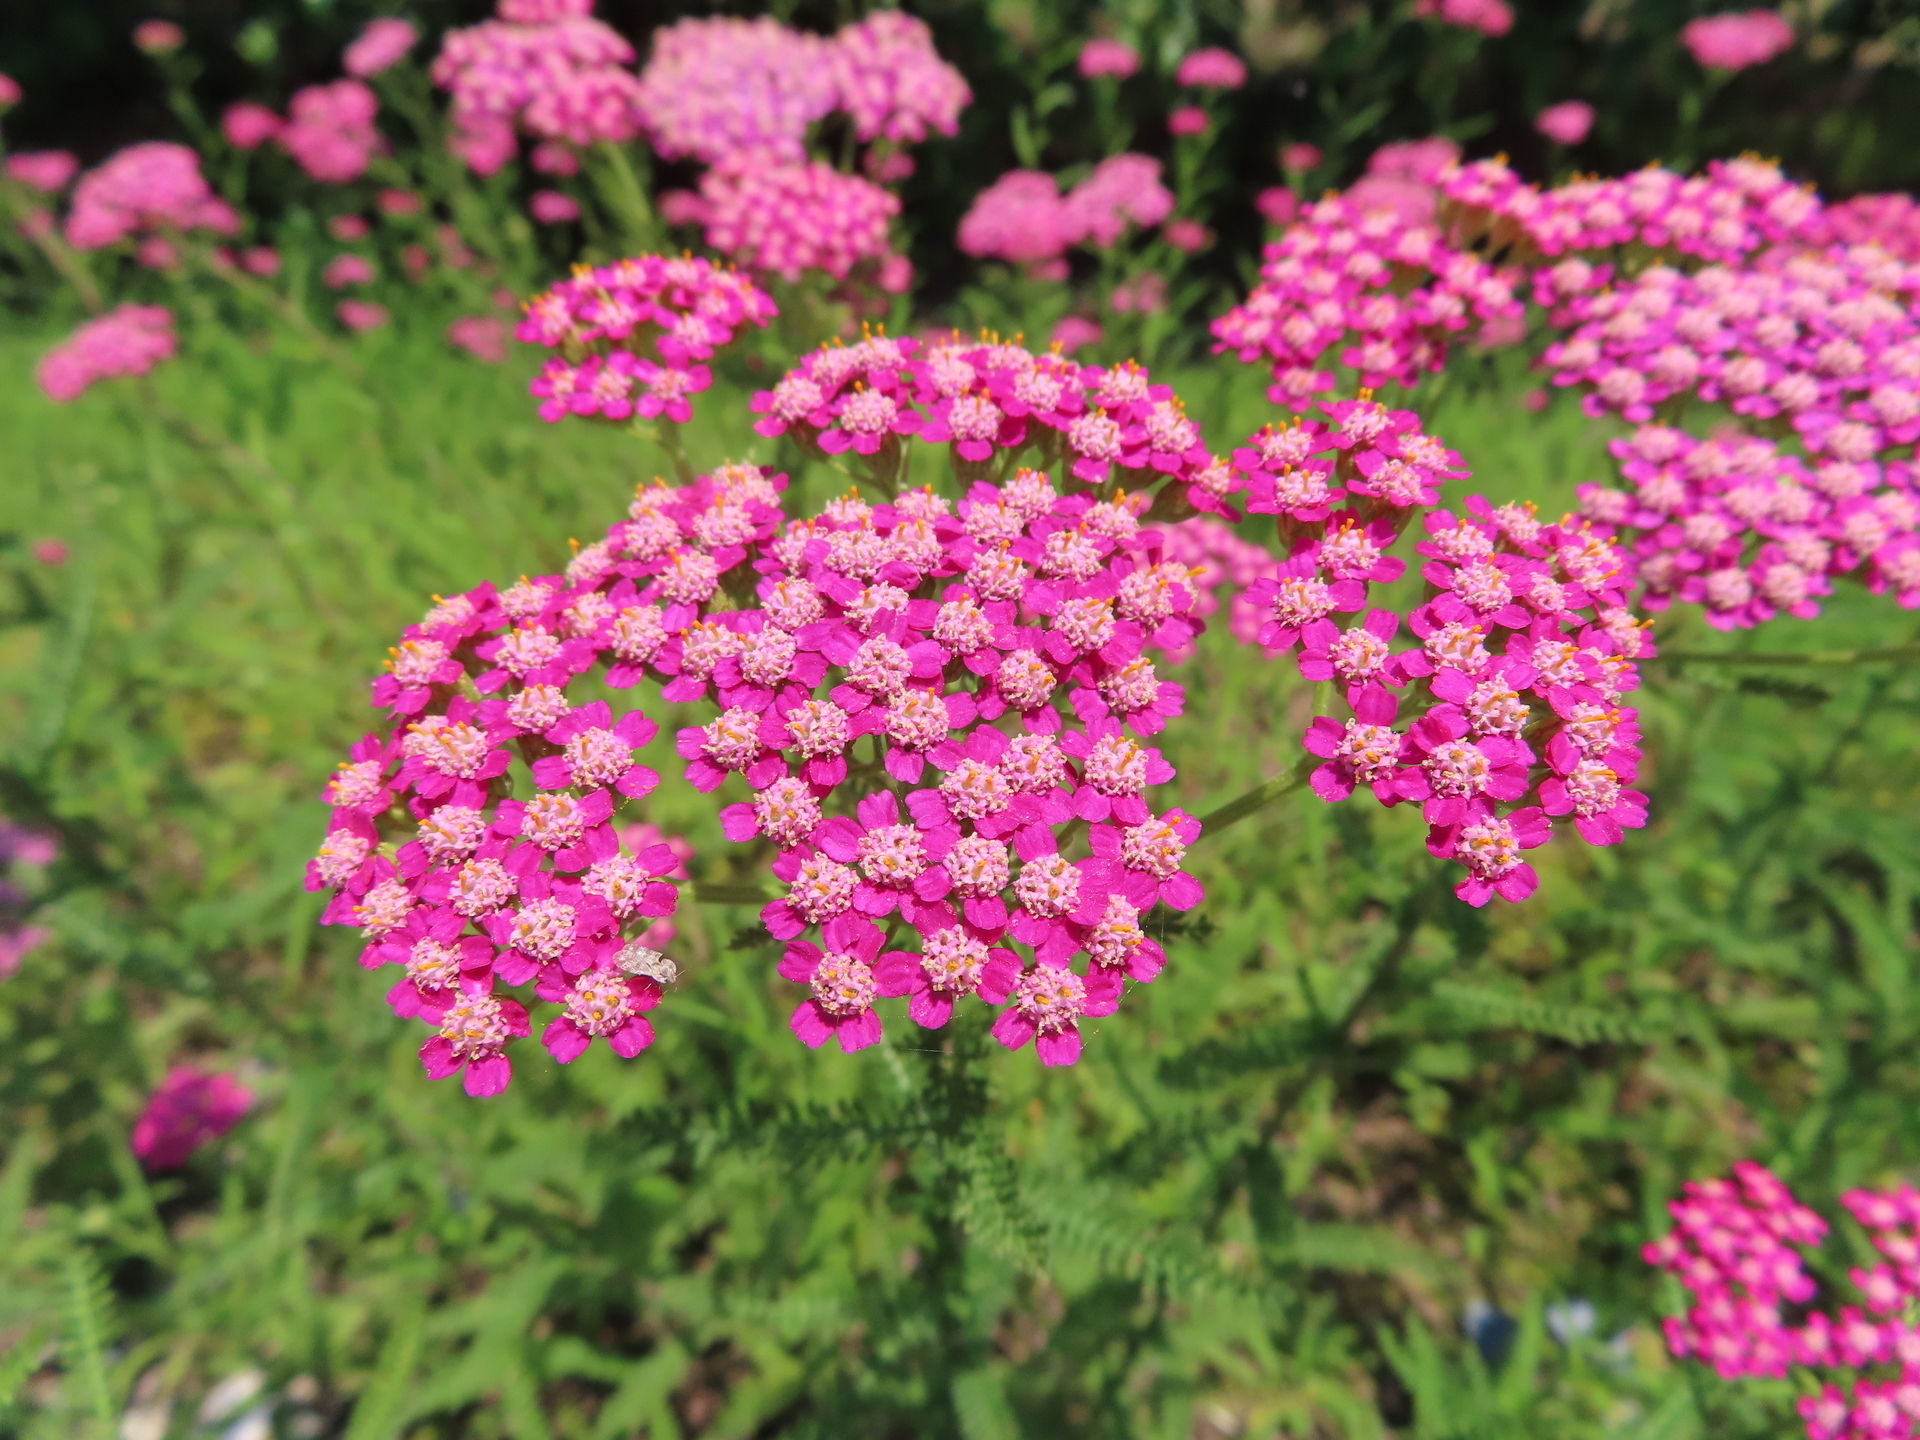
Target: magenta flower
{"x":606,"y":1003}
{"x":1491,"y":848}
{"x":438,"y":960}
{"x":598,"y":751}
{"x":1358,"y":657}
{"x":1115,"y":772}
{"x":1366,"y":750}
{"x":844,"y":981}
{"x":1458,"y":777}
{"x":557,"y":923}
{"x":190,"y":1109}
{"x":1150,"y":855}
{"x":474,"y":1031}
{"x":1048,"y":1002}
{"x":954,"y":962}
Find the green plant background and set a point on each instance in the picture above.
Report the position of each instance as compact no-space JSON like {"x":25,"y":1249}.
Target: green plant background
{"x":1351,"y":1108}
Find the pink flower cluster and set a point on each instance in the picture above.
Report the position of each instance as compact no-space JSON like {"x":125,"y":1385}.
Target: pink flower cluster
{"x":1736,"y":1246}
{"x":151,"y":188}
{"x":128,"y":341}
{"x":470,"y":891}
{"x":380,"y":46}
{"x":1723,"y":215}
{"x":1746,"y":532}
{"x":549,"y":70}
{"x":1342,"y":275}
{"x":716,"y":86}
{"x":784,"y":217}
{"x":20,"y":850}
{"x":1824,"y":341}
{"x":47,"y":171}
{"x":1489,"y":17}
{"x":892,"y":82}
{"x":634,"y":336}
{"x":1737,"y":40}
{"x":1024,"y":219}
{"x":1509,"y":710}
{"x":1891,"y":221}
{"x":329,"y":130}
{"x":924,"y":703}
{"x":190,"y":1109}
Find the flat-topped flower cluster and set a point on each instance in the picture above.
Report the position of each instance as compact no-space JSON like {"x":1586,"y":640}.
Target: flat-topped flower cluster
{"x":1738,"y":1247}
{"x":940,"y":712}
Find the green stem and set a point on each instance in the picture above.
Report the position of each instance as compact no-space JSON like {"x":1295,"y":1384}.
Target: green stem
{"x":1807,"y":657}
{"x":707,"y":894}
{"x":626,"y":196}
{"x":1257,"y":798}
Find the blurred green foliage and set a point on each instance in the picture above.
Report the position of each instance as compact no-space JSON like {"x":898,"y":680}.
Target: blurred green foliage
{"x":1262,"y":1205}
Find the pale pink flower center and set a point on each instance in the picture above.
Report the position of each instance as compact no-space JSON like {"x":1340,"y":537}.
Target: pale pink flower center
{"x":1048,"y":886}
{"x":452,"y":830}
{"x":1025,"y":680}
{"x":822,"y":889}
{"x":474,"y":1026}
{"x":543,"y":929}
{"x":787,"y":811}
{"x":1050,"y":999}
{"x":952,"y":961}
{"x":384,"y":908}
{"x":733,"y":740}
{"x":482,"y":887}
{"x":600,"y":1003}
{"x":553,"y":820}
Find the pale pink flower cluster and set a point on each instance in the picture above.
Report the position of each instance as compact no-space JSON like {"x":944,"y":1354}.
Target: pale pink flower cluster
{"x":991,"y":402}
{"x":1825,"y":341}
{"x":714,"y":87}
{"x":191,"y":1109}
{"x":151,"y":188}
{"x":1489,"y":17}
{"x":130,"y":340}
{"x":21,"y":850}
{"x":1737,"y":40}
{"x":1725,"y":214}
{"x":891,"y":81}
{"x":551,"y":71}
{"x":1746,"y":532}
{"x":1566,"y":123}
{"x":634,"y":336}
{"x":380,"y":46}
{"x":330,"y":132}
{"x":47,"y":171}
{"x":1337,"y":278}
{"x":786,"y":217}
{"x":1737,"y":1246}
{"x":1023,"y":218}
{"x":1211,"y":69}
{"x":1101,"y":56}
{"x":1891,"y":221}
